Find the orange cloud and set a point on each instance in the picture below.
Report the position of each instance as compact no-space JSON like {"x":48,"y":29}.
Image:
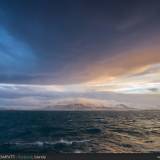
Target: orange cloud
{"x":133,"y":62}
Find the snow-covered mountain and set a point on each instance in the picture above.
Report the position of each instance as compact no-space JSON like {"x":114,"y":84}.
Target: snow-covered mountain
{"x":87,"y":104}
{"x":82,"y":101}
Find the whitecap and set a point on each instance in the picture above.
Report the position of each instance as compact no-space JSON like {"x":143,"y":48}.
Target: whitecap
{"x":42,"y":143}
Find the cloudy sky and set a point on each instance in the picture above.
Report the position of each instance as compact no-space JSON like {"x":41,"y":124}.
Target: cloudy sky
{"x":78,"y":46}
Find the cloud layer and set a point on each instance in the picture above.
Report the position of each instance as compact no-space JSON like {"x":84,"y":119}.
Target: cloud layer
{"x":59,"y":42}
{"x":39,"y":97}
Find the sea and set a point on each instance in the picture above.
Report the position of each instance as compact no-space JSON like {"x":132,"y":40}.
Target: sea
{"x":79,"y":131}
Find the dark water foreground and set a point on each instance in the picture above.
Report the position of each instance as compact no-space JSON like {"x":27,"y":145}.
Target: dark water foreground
{"x":78,"y":132}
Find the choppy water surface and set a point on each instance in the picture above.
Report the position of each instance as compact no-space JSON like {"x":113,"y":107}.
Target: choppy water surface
{"x":78,"y":132}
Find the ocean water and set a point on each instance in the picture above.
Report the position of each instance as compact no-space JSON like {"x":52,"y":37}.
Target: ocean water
{"x":80,"y":132}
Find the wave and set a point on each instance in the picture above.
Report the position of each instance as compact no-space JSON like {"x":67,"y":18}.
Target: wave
{"x":77,"y":151}
{"x":43,"y":143}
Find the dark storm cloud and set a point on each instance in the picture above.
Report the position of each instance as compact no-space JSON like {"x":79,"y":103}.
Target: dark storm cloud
{"x":59,"y":42}
{"x":154,"y":89}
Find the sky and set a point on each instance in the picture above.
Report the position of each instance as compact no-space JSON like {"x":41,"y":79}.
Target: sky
{"x":78,"y":47}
